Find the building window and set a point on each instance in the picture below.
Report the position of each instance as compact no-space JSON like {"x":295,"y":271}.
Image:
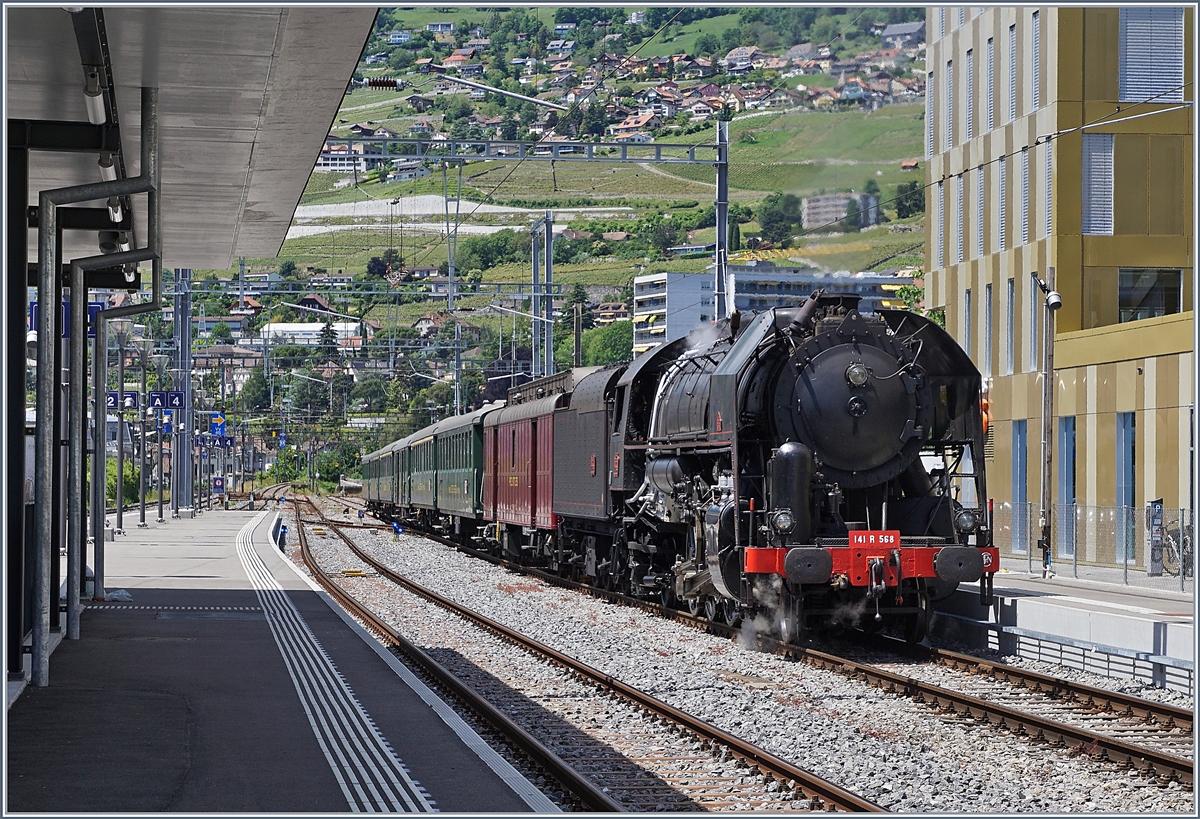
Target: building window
{"x":1024,"y":196}
{"x":1126,"y":476}
{"x":1049,"y":173}
{"x":970,"y":94}
{"x":967,"y":328}
{"x":962,"y":223}
{"x":1034,"y":313}
{"x":1002,"y":235}
{"x":1098,"y":184}
{"x":962,"y":18}
{"x":987,"y":331}
{"x":979,"y":212}
{"x":1065,"y":514}
{"x":1151,"y":55}
{"x":929,"y":109}
{"x":941,"y":25}
{"x":1010,"y":318}
{"x":1012,"y":73}
{"x":1020,"y":505}
{"x":991,"y":83}
{"x":949,"y":104}
{"x":940,"y":226}
{"x":1144,"y":294}
{"x":1036,"y":101}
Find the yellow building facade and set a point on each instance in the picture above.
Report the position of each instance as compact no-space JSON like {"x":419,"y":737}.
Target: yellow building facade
{"x":1061,"y":141}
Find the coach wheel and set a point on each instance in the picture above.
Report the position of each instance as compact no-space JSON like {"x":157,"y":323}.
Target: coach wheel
{"x":712,"y":608}
{"x":917,"y":625}
{"x":694,"y":605}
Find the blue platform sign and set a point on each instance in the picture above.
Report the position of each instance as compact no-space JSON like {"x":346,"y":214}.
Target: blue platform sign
{"x":175,"y":399}
{"x":94,"y":308}
{"x":166,"y":421}
{"x":218,"y":485}
{"x":112,"y":400}
{"x":158,"y":399}
{"x":227,"y":441}
{"x":129,"y":399}
{"x":282,"y":440}
{"x":216,"y":424}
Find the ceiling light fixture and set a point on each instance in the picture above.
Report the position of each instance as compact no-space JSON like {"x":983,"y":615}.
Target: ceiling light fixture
{"x":108,"y":241}
{"x":108,"y":171}
{"x":93,"y":95}
{"x":123,"y":240}
{"x":115,"y":211}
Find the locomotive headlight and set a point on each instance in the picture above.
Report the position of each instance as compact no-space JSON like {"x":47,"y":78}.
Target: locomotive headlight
{"x":965,"y":520}
{"x":857,"y":374}
{"x":783,"y":521}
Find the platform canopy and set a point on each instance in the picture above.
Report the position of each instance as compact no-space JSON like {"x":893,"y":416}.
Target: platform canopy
{"x":246,"y":98}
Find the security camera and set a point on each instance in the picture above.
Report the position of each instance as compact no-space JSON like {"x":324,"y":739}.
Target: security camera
{"x":1053,"y":300}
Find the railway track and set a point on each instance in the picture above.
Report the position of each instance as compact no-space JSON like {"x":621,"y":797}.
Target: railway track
{"x":648,"y":755}
{"x":1153,"y":738}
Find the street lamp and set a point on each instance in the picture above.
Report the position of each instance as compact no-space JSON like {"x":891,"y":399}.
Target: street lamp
{"x":160,"y":361}
{"x":201,"y":402}
{"x":1053,"y":303}
{"x":122,"y":327}
{"x":143,"y":346}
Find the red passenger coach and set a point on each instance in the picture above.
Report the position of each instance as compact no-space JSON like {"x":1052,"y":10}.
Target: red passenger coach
{"x":518,"y":465}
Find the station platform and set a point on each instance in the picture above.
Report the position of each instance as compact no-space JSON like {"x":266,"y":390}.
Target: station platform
{"x":230,"y":684}
{"x":1101,"y":621}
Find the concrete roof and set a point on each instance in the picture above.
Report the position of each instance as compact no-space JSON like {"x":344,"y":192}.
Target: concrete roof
{"x":246,"y":96}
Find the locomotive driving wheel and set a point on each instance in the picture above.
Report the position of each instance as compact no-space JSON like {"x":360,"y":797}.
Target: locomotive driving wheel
{"x":694,"y":605}
{"x":731,"y":612}
{"x":789,"y":619}
{"x":712,"y":608}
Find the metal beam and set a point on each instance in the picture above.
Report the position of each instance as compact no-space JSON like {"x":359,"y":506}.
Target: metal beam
{"x":60,"y":135}
{"x":83,"y":219}
{"x":660,"y":153}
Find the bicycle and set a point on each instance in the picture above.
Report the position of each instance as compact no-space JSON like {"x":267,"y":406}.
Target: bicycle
{"x":1178,"y":552}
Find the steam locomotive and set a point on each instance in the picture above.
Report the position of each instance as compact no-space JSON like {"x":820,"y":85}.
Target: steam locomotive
{"x":812,"y":465}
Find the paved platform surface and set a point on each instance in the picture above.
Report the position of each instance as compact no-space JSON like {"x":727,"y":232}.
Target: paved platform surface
{"x":1097,"y":621}
{"x":230,"y":685}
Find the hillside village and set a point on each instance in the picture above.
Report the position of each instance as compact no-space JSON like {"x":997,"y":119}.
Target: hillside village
{"x":613,"y":96}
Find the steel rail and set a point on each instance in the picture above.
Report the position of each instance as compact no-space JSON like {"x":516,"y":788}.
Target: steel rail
{"x":591,"y":797}
{"x":1147,"y":760}
{"x":1165,"y":714}
{"x":813,"y":787}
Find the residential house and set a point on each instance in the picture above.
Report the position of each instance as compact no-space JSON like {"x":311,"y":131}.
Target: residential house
{"x":640,"y":137}
{"x":616,"y":236}
{"x":775,"y":64}
{"x":472,"y":70}
{"x":608,"y":312}
{"x":701,"y":110}
{"x":798,"y":52}
{"x":633,"y":124}
{"x":406,"y":170}
{"x":827,"y":210}
{"x":315,"y":302}
{"x":399,"y":37}
{"x":418,"y":102}
{"x":456,"y":60}
{"x":572,"y":234}
{"x":744,"y":54}
{"x":420,"y":128}
{"x":903,"y":35}
{"x":478,"y":33}
{"x":562,"y":29}
{"x":560,"y":48}
{"x":480,"y":44}
{"x":694,"y":69}
{"x":636,"y":18}
{"x":340,"y":157}
{"x":440,"y":28}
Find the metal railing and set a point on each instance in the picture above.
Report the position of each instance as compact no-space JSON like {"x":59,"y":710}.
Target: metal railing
{"x":1105,"y":543}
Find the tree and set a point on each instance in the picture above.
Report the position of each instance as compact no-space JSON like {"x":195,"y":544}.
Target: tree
{"x":707,"y":45}
{"x":777,"y":215}
{"x":735,"y":237}
{"x":287,"y":269}
{"x":221,"y":333}
{"x":871,"y":187}
{"x":853,"y":220}
{"x":256,"y":394}
{"x":328,"y":342}
{"x":609,"y":345}
{"x":370,"y":393}
{"x":910,"y":199}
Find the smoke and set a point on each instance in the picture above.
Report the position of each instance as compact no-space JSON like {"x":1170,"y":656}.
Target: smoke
{"x":705,"y":336}
{"x":768,"y":595}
